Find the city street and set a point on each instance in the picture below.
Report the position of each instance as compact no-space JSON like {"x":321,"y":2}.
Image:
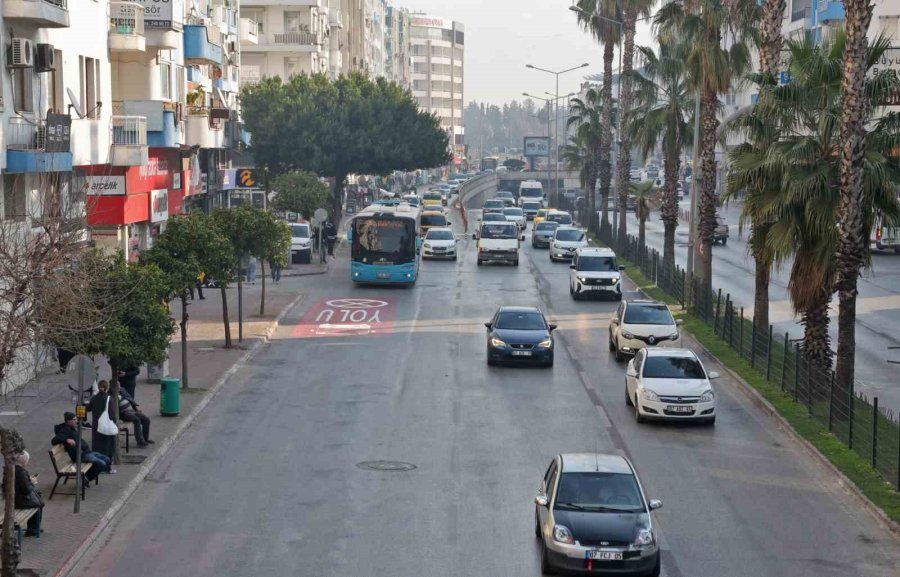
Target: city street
{"x":878,"y":307}
{"x":270,"y":481}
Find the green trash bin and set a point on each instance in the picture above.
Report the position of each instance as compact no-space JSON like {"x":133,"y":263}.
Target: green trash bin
{"x":170,"y":397}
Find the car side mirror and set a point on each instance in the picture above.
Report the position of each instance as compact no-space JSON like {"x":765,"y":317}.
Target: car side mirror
{"x":714,"y":375}
{"x":614,"y":321}
{"x":621,"y":267}
{"x":655,"y":504}
{"x":489,"y":325}
{"x":449,"y":223}
{"x":679,"y":322}
{"x":541,"y":500}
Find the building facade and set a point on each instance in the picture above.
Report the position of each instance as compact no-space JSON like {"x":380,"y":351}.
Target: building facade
{"x":397,"y":46}
{"x":438,"y":51}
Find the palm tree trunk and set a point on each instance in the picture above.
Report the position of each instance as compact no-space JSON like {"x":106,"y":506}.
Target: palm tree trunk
{"x":641,"y":230}
{"x":605,"y":166}
{"x":623,"y":162}
{"x":669,"y":207}
{"x":816,"y":341}
{"x":761,"y":290}
{"x":707,"y":187}
{"x":852,"y":244}
{"x":225,"y":319}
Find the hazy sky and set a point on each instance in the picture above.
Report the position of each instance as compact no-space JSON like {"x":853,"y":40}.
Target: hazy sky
{"x":502,"y":36}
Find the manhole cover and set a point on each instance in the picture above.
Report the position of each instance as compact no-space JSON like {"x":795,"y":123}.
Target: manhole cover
{"x":132,"y":459}
{"x":389,"y":466}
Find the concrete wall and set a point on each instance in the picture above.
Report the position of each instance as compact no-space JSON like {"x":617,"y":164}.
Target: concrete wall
{"x":474,"y":192}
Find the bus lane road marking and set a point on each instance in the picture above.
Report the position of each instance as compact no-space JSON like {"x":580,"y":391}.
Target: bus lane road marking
{"x":341,"y":317}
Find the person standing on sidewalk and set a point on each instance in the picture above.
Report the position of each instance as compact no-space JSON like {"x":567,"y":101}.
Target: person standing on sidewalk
{"x":330,"y":236}
{"x":275,"y":268}
{"x":98,"y":405}
{"x":251,"y":270}
{"x":128,"y":379}
{"x":66,"y":434}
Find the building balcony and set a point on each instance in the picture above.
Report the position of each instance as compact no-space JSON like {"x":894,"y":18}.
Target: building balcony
{"x":205,"y":127}
{"x":128,"y":138}
{"x":163,"y":120}
{"x":249,"y":32}
{"x":288,"y":42}
{"x":40,"y":13}
{"x":291,"y":3}
{"x":126,"y":27}
{"x":226,"y":79}
{"x":831,"y":11}
{"x":29,"y":148}
{"x":250,"y":74}
{"x":335,"y":18}
{"x":197,"y":47}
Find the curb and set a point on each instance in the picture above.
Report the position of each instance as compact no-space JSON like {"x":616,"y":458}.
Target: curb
{"x":760,"y":402}
{"x":164,"y":448}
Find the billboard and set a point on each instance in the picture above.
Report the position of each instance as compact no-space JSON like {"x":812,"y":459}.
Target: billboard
{"x":537,"y":146}
{"x":163,"y":13}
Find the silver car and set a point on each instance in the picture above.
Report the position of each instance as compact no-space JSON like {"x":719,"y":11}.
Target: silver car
{"x":542,"y":234}
{"x":566,"y":240}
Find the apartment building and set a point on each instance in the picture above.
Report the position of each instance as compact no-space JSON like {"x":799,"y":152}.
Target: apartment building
{"x":397,"y":46}
{"x":438,"y":50}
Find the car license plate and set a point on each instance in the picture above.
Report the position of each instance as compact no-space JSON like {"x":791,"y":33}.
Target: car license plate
{"x":383,"y":275}
{"x":680,"y":408}
{"x":438,"y":249}
{"x":521,"y":353}
{"x":604,"y":555}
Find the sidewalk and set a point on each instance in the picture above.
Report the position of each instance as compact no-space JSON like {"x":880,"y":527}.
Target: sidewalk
{"x":34,"y":409}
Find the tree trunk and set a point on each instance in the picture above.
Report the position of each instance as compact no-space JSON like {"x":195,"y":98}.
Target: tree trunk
{"x":336,"y":200}
{"x":623,"y":162}
{"x":641,"y":230}
{"x":707,"y":188}
{"x":225,"y":320}
{"x":114,"y":406}
{"x":605,"y":226}
{"x":669,"y":208}
{"x":604,"y":164}
{"x":10,"y":555}
{"x":184,"y":340}
{"x":262,"y":298}
{"x":763,"y":273}
{"x":852,"y":244}
{"x":770,"y":35}
{"x":815,"y":321}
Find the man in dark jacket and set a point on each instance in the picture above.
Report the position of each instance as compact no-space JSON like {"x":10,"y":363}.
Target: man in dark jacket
{"x":330,"y":236}
{"x":66,"y":434}
{"x":128,"y":378}
{"x":129,"y":412}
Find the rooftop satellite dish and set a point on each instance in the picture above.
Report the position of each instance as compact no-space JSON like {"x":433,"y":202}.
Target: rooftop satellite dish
{"x":74,"y":103}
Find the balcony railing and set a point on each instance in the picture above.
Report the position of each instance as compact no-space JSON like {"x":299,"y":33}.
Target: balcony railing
{"x":126,"y":18}
{"x":24,"y":135}
{"x":299,"y":38}
{"x":129,"y":130}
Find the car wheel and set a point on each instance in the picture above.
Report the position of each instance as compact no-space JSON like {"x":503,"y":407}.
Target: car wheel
{"x":628,"y":400}
{"x":549,"y":364}
{"x":479,"y":262}
{"x":537,"y":525}
{"x":516,"y":262}
{"x":546,"y":567}
{"x":619,"y":356}
{"x":618,"y":296}
{"x":657,"y":568}
{"x":638,"y":418}
{"x":612,"y":346}
{"x":454,"y":257}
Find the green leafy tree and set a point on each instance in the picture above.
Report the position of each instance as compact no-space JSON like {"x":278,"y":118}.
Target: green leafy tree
{"x":239,"y":227}
{"x":352,"y":125}
{"x":183,"y":251}
{"x":273,"y":236}
{"x":300,"y":192}
{"x":643,"y":193}
{"x":586,"y":114}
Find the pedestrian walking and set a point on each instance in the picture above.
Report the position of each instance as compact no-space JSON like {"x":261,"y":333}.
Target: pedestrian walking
{"x":276,"y":271}
{"x":199,"y":286}
{"x":330,"y":236}
{"x":251,"y":270}
{"x":99,"y":404}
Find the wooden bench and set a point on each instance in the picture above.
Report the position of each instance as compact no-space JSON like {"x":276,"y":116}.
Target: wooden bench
{"x":21,"y":520}
{"x":65,"y":470}
{"x":123,"y":430}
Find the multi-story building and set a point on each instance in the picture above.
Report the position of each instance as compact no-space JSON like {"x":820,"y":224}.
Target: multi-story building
{"x":374,"y":55}
{"x":397,"y":46}
{"x":438,"y":50}
{"x":353,"y":36}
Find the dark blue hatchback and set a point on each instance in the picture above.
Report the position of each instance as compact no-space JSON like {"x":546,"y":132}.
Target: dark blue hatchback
{"x":520,"y":335}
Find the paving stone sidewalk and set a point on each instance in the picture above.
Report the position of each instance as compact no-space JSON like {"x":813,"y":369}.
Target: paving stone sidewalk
{"x":34,"y":409}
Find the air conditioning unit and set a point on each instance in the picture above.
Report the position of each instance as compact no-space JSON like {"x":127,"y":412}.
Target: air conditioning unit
{"x":46,"y":58}
{"x":21,"y":53}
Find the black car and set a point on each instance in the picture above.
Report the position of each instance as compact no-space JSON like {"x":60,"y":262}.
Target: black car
{"x":592,"y":517}
{"x":519,"y":334}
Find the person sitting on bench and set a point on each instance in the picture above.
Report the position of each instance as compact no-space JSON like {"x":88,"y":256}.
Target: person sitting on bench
{"x":66,"y":434}
{"x":27,"y":495}
{"x":129,"y":411}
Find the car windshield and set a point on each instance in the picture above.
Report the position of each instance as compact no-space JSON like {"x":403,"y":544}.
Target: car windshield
{"x":521,"y":321}
{"x":546,"y":226}
{"x":494,"y":216}
{"x":504,"y":194}
{"x":432,"y":196}
{"x":597,"y":264}
{"x":560,"y":218}
{"x":439,"y":235}
{"x":498,"y":231}
{"x":493,"y":204}
{"x":513,"y":211}
{"x":637,"y":314}
{"x":659,"y":367}
{"x":531,"y":192}
{"x":531,"y":206}
{"x":598,"y":491}
{"x":299,"y":231}
{"x":569,"y":235}
{"x":434,"y":220}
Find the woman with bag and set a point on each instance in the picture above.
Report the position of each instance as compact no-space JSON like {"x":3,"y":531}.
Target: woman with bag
{"x":103,"y":438}
{"x":27,"y":496}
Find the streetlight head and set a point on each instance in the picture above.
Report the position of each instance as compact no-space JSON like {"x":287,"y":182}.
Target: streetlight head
{"x":526,"y":94}
{"x":529,"y":66}
{"x":585,"y":65}
{"x":577,"y":9}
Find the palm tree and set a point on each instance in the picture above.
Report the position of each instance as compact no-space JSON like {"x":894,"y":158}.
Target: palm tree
{"x":631,"y":11}
{"x":577,"y":156}
{"x":799,"y":126}
{"x":586,"y":114}
{"x":643,"y":193}
{"x":853,"y":246}
{"x":712,"y":67}
{"x":600,"y":18}
{"x":664,"y":104}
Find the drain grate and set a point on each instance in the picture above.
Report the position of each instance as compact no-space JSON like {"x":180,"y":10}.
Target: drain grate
{"x":386,"y":466}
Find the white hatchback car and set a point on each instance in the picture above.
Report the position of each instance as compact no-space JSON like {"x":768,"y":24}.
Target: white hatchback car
{"x":439,"y":243}
{"x":566,"y":240}
{"x":639,"y":324}
{"x":670,"y":384}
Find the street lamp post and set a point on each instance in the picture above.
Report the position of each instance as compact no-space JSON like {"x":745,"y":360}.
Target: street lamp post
{"x":556,"y":123}
{"x":547,"y":102}
{"x":557,"y":98}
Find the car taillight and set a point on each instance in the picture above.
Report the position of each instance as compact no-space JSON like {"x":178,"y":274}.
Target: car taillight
{"x":878,"y":234}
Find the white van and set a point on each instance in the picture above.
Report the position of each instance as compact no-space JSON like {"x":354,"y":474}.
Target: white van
{"x":531,"y":190}
{"x":301,"y":243}
{"x":498,"y":241}
{"x":884,"y":236}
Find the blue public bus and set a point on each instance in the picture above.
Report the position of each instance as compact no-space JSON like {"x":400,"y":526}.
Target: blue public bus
{"x":384,"y":244}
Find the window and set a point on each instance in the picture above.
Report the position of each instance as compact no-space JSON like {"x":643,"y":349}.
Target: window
{"x":55,"y":86}
{"x":23,"y":90}
{"x":14,"y":197}
{"x":673,"y":368}
{"x":165,"y":80}
{"x":292,"y":22}
{"x":179,"y":84}
{"x":460,"y":37}
{"x":89,"y":69}
{"x":291,"y":67}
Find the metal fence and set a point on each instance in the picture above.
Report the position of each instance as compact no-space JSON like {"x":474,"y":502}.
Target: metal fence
{"x":857,"y":421}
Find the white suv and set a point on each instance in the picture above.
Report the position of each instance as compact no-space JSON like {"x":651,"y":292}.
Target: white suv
{"x":639,"y":324}
{"x":594,"y":272}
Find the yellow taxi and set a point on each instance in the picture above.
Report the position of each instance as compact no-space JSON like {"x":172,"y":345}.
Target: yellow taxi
{"x":541,"y":216}
{"x":431,"y":219}
{"x":431,"y":197}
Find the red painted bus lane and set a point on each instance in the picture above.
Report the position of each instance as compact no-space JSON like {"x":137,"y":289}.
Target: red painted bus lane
{"x":339,"y":317}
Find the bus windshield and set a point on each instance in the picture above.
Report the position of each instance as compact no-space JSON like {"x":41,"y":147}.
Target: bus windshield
{"x":384,"y":240}
{"x":531,"y":193}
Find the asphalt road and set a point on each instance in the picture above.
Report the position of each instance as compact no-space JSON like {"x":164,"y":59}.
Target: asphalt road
{"x":267,"y":481}
{"x":878,"y":309}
